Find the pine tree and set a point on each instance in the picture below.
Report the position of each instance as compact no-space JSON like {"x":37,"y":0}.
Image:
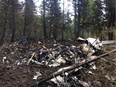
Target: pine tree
{"x":12,"y":22}
{"x":4,"y":16}
{"x":98,"y":16}
{"x":110,"y":10}
{"x":44,"y":18}
{"x":29,"y":17}
{"x":53,"y":18}
{"x":75,"y":17}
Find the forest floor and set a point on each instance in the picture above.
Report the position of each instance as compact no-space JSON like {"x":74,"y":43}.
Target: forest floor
{"x":14,"y":74}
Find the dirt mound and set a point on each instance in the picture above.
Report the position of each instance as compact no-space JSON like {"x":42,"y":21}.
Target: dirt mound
{"x":14,"y":73}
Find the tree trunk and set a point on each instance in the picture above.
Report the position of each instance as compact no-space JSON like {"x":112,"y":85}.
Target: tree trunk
{"x":25,"y":20}
{"x":55,"y":20}
{"x":75,"y":10}
{"x":5,"y":22}
{"x":13,"y":20}
{"x":78,"y":30}
{"x":44,"y":19}
{"x":63,"y":23}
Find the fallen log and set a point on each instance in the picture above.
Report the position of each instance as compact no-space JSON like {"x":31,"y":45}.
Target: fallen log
{"x":109,"y":42}
{"x":70,"y":68}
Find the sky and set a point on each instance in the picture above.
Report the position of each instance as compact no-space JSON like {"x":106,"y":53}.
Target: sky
{"x":67,"y":4}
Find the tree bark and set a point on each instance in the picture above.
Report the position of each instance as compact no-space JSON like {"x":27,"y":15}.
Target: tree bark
{"x":78,"y":30}
{"x":44,"y":19}
{"x":5,"y":22}
{"x":63,"y":23}
{"x":13,"y":19}
{"x":75,"y":16}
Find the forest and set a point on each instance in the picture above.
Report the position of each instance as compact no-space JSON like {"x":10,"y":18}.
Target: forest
{"x":57,"y":43}
{"x":55,"y":20}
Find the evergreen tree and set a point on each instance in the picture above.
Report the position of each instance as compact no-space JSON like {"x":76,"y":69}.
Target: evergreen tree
{"x":110,"y":10}
{"x":29,"y":17}
{"x":98,"y":16}
{"x":3,"y":21}
{"x":75,"y":17}
{"x":44,"y":18}
{"x":53,"y":18}
{"x":12,"y":20}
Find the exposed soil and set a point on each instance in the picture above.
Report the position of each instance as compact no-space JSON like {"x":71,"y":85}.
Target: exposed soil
{"x":14,"y":75}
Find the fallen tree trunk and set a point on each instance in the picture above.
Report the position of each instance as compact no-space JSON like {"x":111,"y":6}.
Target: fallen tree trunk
{"x":71,"y":68}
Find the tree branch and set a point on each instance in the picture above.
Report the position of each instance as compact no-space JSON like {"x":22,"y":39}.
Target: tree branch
{"x":71,"y":68}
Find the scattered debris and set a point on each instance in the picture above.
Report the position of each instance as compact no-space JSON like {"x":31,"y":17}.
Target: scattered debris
{"x":52,"y":64}
{"x":37,"y":76}
{"x":72,"y":67}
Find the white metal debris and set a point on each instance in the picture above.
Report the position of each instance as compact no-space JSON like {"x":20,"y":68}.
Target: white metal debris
{"x":95,"y":42}
{"x":37,"y":76}
{"x":4,"y":58}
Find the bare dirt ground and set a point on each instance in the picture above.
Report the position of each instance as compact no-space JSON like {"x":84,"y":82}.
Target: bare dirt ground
{"x":14,"y":75}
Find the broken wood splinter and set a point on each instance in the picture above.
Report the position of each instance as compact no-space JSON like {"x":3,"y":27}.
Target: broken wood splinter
{"x":71,"y":68}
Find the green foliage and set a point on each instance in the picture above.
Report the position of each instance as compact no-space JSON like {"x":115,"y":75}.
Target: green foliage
{"x":94,"y":16}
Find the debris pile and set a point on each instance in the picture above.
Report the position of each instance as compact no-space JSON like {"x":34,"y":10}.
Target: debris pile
{"x":66,"y":54}
{"x":53,"y":64}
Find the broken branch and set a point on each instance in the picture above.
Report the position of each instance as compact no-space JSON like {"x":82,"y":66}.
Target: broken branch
{"x":71,"y":68}
{"x":31,"y":58}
